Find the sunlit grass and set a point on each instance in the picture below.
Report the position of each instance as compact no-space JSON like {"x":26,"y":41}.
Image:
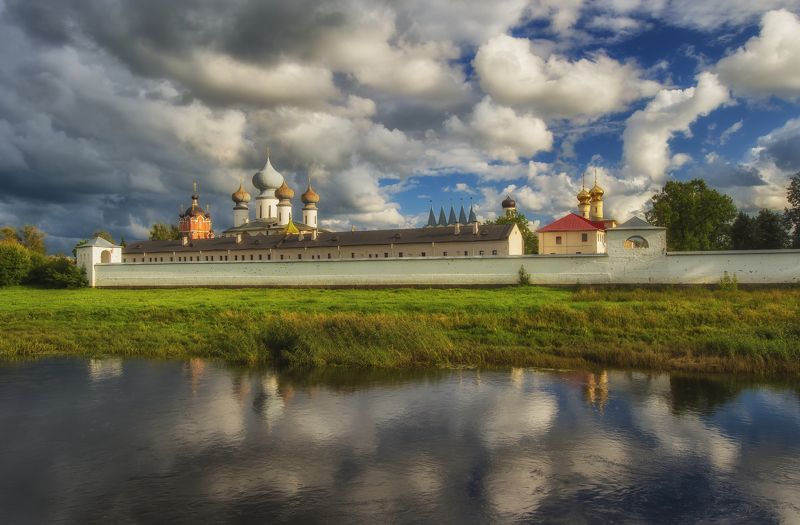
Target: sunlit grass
{"x":754,"y":330}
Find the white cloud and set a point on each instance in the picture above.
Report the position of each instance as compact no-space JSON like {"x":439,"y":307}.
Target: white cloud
{"x":730,"y":131}
{"x":648,"y":131}
{"x":768,"y":64}
{"x":514,"y":74}
{"x":503,"y":133}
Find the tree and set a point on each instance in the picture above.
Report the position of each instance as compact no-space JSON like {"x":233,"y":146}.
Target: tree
{"x":164,"y":232}
{"x":793,"y":214}
{"x":58,"y":272}
{"x":9,"y":233}
{"x":529,"y":238}
{"x":103,"y":234}
{"x":743,"y":232}
{"x":33,"y":239}
{"x":15,"y":263}
{"x":696,"y":217}
{"x":771,"y":231}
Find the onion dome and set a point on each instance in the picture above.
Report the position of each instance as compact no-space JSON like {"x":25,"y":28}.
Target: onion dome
{"x":267,"y":178}
{"x":240,"y":196}
{"x":508,"y":202}
{"x":584,"y":196}
{"x":194,"y":211}
{"x":284,"y":192}
{"x":596,"y":192}
{"x":309,"y":196}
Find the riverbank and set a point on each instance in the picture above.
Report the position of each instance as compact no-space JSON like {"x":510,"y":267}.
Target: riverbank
{"x":752,"y":331}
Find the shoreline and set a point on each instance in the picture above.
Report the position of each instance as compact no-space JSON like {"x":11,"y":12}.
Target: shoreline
{"x":747,"y":331}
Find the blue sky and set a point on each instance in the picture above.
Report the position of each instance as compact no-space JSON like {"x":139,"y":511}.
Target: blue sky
{"x":109,"y":110}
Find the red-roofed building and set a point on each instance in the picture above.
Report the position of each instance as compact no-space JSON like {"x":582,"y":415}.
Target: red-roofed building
{"x":573,"y":234}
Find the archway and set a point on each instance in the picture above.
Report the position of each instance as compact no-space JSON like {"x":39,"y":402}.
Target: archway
{"x":105,"y":256}
{"x":635,"y":242}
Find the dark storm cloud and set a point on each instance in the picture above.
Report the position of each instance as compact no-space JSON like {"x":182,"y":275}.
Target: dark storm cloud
{"x":725,"y":175}
{"x":784,"y":148}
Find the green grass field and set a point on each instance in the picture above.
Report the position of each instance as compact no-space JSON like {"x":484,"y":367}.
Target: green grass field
{"x":754,"y":330}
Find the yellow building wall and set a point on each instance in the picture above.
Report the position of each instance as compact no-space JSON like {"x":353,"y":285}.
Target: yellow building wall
{"x":572,"y":242}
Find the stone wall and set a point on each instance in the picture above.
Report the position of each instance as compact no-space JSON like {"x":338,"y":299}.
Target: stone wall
{"x":651,"y":266}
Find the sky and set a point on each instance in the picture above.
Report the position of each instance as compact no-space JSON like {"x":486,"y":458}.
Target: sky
{"x":110,"y":109}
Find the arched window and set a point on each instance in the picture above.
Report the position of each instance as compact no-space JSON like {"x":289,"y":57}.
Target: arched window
{"x":635,"y":242}
{"x":105,"y":256}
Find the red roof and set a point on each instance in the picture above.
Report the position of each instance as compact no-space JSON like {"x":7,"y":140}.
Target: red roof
{"x":573,"y":223}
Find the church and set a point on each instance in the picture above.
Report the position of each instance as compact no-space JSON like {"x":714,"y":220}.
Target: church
{"x":276,"y":234}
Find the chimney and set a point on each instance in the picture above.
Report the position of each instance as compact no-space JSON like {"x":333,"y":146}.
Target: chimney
{"x":457,"y":228}
{"x":475,"y":229}
{"x":185,"y":240}
{"x":239,"y":238}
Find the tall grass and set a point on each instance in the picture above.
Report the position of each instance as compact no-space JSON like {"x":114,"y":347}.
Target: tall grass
{"x":754,"y":331}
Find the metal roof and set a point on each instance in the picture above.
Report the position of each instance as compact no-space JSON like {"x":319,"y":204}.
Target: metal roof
{"x":636,"y":223}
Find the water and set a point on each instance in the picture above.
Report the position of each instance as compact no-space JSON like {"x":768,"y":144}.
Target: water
{"x":150,"y":441}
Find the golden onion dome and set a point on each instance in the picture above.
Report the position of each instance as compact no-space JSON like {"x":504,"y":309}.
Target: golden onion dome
{"x":596,"y":192}
{"x":240,"y":196}
{"x":284,"y":192}
{"x":309,"y":196}
{"x":584,"y":196}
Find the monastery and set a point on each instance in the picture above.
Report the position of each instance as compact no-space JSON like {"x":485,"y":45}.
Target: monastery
{"x":276,"y":248}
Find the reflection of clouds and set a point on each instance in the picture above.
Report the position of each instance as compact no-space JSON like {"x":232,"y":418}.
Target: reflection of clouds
{"x":516,"y":486}
{"x":100,"y":369}
{"x":516,"y":415}
{"x":685,"y":435}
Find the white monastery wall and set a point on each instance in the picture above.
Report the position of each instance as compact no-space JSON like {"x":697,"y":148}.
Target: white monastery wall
{"x":778,"y":266}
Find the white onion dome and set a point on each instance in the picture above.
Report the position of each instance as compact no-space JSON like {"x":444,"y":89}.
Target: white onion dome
{"x":267,"y":178}
{"x":240,"y":196}
{"x":284,"y":192}
{"x":309,"y":196}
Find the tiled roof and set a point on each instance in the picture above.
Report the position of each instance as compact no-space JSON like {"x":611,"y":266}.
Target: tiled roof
{"x":572,"y":223}
{"x":486,"y":232}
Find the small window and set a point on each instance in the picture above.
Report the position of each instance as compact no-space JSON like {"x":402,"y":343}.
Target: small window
{"x":558,"y":239}
{"x":370,"y":256}
{"x":400,"y":254}
{"x":170,"y":259}
{"x":422,"y":254}
{"x":636,"y":242}
{"x":329,"y":256}
{"x":226,"y":257}
{"x":269,"y":256}
{"x":465,"y":253}
{"x":281,"y":257}
{"x":480,"y":252}
{"x":584,"y":237}
{"x":299,"y":256}
{"x":260,"y":256}
{"x":444,"y":254}
{"x":191,"y":259}
{"x":494,"y":252}
{"x":352,"y":255}
{"x":212,"y":258}
{"x":385,"y":255}
{"x":206,"y":257}
{"x":251,"y":256}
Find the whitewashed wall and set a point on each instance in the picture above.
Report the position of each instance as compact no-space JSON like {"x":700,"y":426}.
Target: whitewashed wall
{"x":778,"y":266}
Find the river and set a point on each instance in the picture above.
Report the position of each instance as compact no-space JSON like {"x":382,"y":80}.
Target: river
{"x":91,"y":441}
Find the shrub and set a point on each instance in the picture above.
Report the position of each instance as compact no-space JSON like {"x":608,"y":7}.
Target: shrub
{"x":58,"y":272}
{"x":524,"y":277}
{"x":15,"y":263}
{"x":728,"y":283}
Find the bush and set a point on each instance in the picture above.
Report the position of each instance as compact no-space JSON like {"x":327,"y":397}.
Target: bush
{"x":58,"y":272}
{"x":729,"y":283}
{"x":15,"y":263}
{"x":524,"y":277}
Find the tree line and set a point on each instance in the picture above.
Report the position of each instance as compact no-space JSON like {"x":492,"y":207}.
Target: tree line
{"x":24,"y":260}
{"x":700,"y":218}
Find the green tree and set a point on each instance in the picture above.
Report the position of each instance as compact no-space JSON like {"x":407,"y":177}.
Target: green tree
{"x":33,"y":239}
{"x":696,"y":217}
{"x":103,"y":234}
{"x":58,"y":272}
{"x":793,"y":213}
{"x":9,"y":233}
{"x":164,"y":232}
{"x":772,"y":232}
{"x":122,"y":241}
{"x":743,"y":232}
{"x":530,"y":239}
{"x":15,"y":263}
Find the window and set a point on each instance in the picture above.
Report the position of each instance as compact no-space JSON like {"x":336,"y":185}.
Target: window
{"x":422,"y":254}
{"x":636,"y":242}
{"x":370,"y":256}
{"x":212,"y":258}
{"x":226,"y":257}
{"x":251,"y":256}
{"x":160,"y":259}
{"x":281,"y":257}
{"x":584,"y":237}
{"x":191,"y":259}
{"x":269,"y":256}
{"x":206,"y":257}
{"x":235,"y":257}
{"x":124,"y":259}
{"x":170,"y":259}
{"x":329,"y":256}
{"x":385,"y":255}
{"x":352,"y":255}
{"x":400,"y":254}
{"x":444,"y":254}
{"x":260,"y":256}
{"x":494,"y":252}
{"x":465,"y":253}
{"x":480,"y":252}
{"x":299,"y":256}
{"x":558,"y":239}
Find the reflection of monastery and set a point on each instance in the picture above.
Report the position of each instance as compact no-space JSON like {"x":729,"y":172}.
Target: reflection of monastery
{"x":273,"y":248}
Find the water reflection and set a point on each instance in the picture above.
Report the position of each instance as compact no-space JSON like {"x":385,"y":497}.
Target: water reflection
{"x":112,"y":440}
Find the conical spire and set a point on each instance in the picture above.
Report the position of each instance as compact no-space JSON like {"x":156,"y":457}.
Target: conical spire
{"x":462,"y":216}
{"x":452,"y":218}
{"x":431,"y":219}
{"x":442,"y":217}
{"x":472,"y":217}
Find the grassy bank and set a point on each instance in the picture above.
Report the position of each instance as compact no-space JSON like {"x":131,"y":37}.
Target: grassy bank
{"x":754,"y":331}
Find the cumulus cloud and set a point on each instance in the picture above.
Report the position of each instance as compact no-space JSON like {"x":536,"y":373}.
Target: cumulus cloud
{"x":768,"y":64}
{"x":503,"y":133}
{"x":514,"y":74}
{"x":648,"y":131}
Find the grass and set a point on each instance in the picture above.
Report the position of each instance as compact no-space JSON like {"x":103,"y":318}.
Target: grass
{"x":751,"y":330}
